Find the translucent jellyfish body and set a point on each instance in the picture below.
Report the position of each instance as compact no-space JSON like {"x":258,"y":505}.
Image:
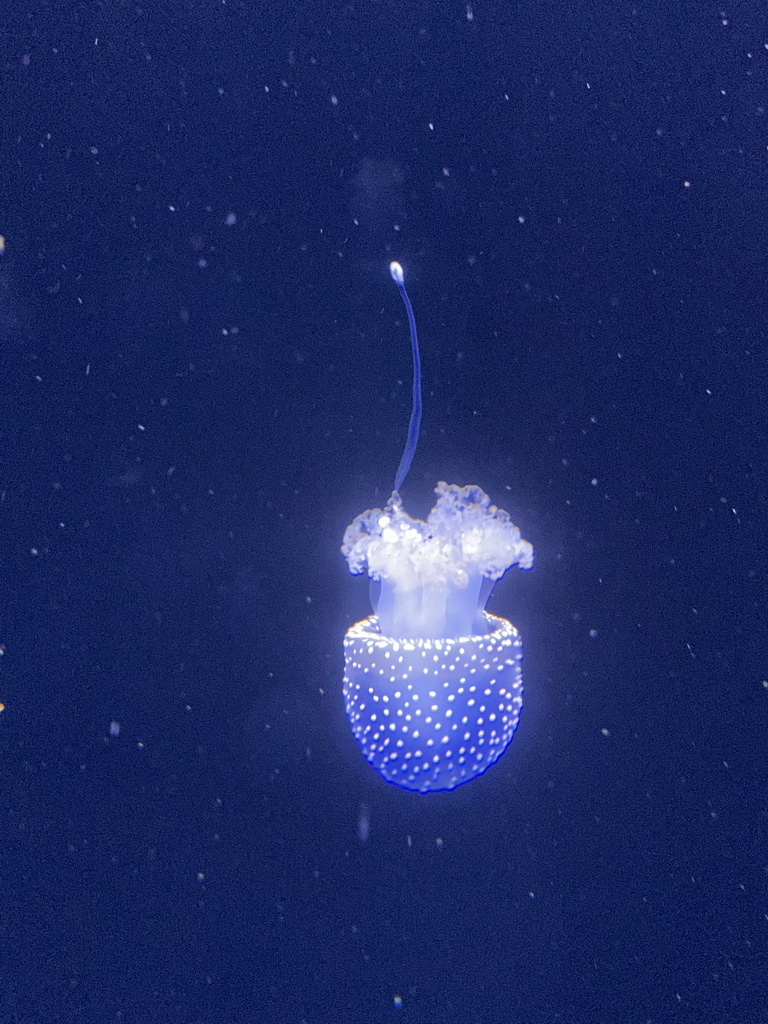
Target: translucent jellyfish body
{"x":433,"y":683}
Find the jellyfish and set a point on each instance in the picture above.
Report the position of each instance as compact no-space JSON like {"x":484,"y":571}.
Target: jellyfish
{"x":433,"y":683}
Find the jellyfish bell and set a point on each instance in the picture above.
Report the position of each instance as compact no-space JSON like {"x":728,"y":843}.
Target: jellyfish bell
{"x":433,"y":683}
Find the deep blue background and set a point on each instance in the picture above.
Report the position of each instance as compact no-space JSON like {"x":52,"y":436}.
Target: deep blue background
{"x":193,"y":410}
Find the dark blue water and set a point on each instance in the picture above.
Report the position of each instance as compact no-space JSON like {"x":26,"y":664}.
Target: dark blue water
{"x":205,"y":375}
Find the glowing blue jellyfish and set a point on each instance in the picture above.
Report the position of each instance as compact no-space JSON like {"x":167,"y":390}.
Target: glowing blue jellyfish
{"x":433,"y":683}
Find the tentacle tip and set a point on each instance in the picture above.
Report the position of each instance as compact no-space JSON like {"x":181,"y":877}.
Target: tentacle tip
{"x":397,"y":272}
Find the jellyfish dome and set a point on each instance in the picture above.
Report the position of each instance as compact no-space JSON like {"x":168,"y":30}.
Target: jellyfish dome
{"x":433,"y":683}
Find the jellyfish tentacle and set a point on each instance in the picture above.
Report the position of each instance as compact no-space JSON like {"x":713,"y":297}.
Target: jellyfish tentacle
{"x":414,"y":424}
